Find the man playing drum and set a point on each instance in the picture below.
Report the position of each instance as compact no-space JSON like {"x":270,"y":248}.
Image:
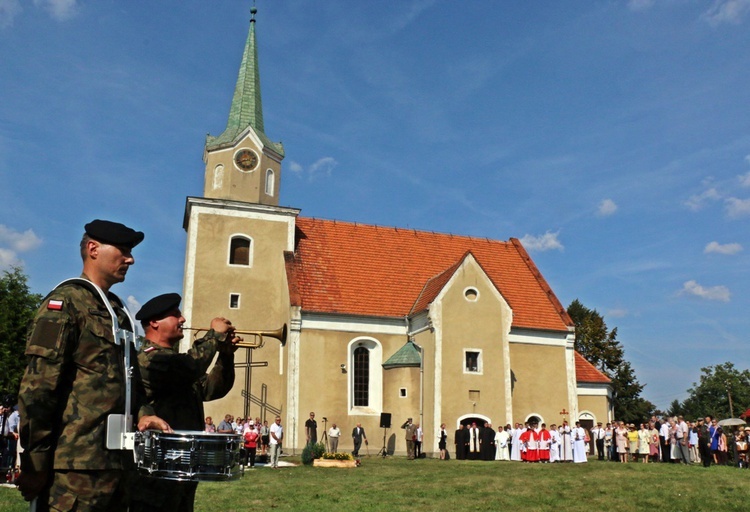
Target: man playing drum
{"x":76,"y":379}
{"x":177,"y":385}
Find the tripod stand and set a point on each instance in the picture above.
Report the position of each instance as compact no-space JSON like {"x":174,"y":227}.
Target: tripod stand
{"x":324,"y":437}
{"x":383,"y":451}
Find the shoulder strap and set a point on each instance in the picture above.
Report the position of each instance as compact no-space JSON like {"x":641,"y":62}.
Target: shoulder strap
{"x":118,"y":335}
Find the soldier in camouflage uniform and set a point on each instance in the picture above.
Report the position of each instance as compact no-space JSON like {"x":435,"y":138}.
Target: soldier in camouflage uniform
{"x":74,"y":380}
{"x":177,"y":385}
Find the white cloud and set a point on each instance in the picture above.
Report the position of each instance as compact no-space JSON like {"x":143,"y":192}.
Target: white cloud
{"x":133,"y":304}
{"x":737,"y":207}
{"x":12,"y":242}
{"x":545,"y":242}
{"x":697,"y":202}
{"x":19,"y":242}
{"x":718,"y":248}
{"x":727,"y":11}
{"x":640,"y":5}
{"x":322,"y":167}
{"x":60,"y":10}
{"x":606,"y":207}
{"x":9,"y":9}
{"x":8,"y":258}
{"x":617,"y":313}
{"x":744,"y":179}
{"x":711,"y":293}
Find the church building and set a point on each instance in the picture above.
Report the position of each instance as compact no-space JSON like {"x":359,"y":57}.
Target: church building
{"x":384,"y":323}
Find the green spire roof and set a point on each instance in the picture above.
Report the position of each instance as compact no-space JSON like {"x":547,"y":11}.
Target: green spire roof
{"x":246,"y":109}
{"x":406,"y":356}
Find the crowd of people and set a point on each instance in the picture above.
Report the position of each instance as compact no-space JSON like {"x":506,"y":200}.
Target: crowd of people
{"x":9,"y":421}
{"x":259,"y":441}
{"x":529,"y":442}
{"x":671,"y":439}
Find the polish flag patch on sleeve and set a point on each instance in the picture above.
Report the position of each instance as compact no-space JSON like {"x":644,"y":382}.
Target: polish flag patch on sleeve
{"x":149,"y":349}
{"x":55,"y":305}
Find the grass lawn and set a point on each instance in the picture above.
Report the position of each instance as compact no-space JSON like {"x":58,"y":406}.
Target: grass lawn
{"x":394,"y":484}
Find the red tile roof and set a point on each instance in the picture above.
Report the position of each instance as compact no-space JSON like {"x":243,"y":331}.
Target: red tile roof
{"x":359,"y":269}
{"x":587,"y":372}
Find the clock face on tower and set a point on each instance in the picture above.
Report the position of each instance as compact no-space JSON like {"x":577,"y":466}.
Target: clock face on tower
{"x":246,"y":159}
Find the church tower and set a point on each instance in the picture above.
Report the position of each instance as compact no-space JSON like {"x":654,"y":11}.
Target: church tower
{"x":236,"y":239}
{"x":242,"y":163}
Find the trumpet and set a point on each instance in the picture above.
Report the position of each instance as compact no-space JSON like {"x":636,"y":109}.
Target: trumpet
{"x":257,"y":342}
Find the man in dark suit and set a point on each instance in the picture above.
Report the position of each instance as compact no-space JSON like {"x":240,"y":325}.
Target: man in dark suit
{"x":459,"y":440}
{"x":358,"y":434}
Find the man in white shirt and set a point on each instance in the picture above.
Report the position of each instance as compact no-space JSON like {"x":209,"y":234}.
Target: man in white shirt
{"x":664,"y":440}
{"x":682,"y":438}
{"x":333,"y":436}
{"x":276,"y":435}
{"x":598,"y":433}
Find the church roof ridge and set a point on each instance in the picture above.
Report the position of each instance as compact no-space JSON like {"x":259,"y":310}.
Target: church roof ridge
{"x":360,"y":269}
{"x":406,"y":229}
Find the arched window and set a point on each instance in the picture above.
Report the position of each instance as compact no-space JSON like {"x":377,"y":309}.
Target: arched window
{"x":239,"y":251}
{"x":365,"y":358}
{"x":361,"y":377}
{"x":218,"y":177}
{"x":270,"y":182}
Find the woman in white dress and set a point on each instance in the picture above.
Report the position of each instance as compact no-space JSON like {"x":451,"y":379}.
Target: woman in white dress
{"x":502,"y":436}
{"x":644,"y":449}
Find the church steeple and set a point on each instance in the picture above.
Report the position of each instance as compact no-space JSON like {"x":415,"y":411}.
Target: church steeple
{"x":243,"y":164}
{"x":247,"y":107}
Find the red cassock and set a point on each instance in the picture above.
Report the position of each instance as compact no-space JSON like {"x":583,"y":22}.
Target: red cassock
{"x":544,"y":444}
{"x":524,"y":438}
{"x":532,"y":454}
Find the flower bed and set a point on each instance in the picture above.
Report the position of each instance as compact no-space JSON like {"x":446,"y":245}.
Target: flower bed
{"x":332,"y":463}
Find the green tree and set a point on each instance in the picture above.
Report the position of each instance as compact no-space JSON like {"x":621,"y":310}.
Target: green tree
{"x":17,"y":309}
{"x":629,"y":405}
{"x":599,"y":346}
{"x":675,"y":409}
{"x":711,"y":394}
{"x":594,"y":341}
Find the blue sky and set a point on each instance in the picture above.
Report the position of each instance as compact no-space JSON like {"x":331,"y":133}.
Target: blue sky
{"x":611,"y":137}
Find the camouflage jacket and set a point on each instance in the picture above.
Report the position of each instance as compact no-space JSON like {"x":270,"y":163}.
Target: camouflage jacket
{"x":75,"y":378}
{"x":177,"y":384}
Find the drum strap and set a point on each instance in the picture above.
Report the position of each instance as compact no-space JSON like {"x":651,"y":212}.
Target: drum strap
{"x":119,"y":336}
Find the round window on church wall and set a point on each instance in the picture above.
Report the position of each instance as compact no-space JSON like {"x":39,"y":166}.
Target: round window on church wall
{"x":471,"y":294}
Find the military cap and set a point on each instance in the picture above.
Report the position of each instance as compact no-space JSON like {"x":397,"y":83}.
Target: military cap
{"x":158,"y":306}
{"x":113,"y":233}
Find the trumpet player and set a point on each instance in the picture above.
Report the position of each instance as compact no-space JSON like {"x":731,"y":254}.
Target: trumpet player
{"x":177,"y":385}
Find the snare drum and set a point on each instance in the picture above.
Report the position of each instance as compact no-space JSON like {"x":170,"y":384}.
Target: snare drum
{"x":188,"y":455}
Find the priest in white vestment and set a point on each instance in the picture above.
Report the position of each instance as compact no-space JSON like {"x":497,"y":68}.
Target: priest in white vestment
{"x":566,"y":446}
{"x":474,"y":442}
{"x":554,"y":448}
{"x":579,"y":443}
{"x":502,"y":436}
{"x":515,"y":452}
